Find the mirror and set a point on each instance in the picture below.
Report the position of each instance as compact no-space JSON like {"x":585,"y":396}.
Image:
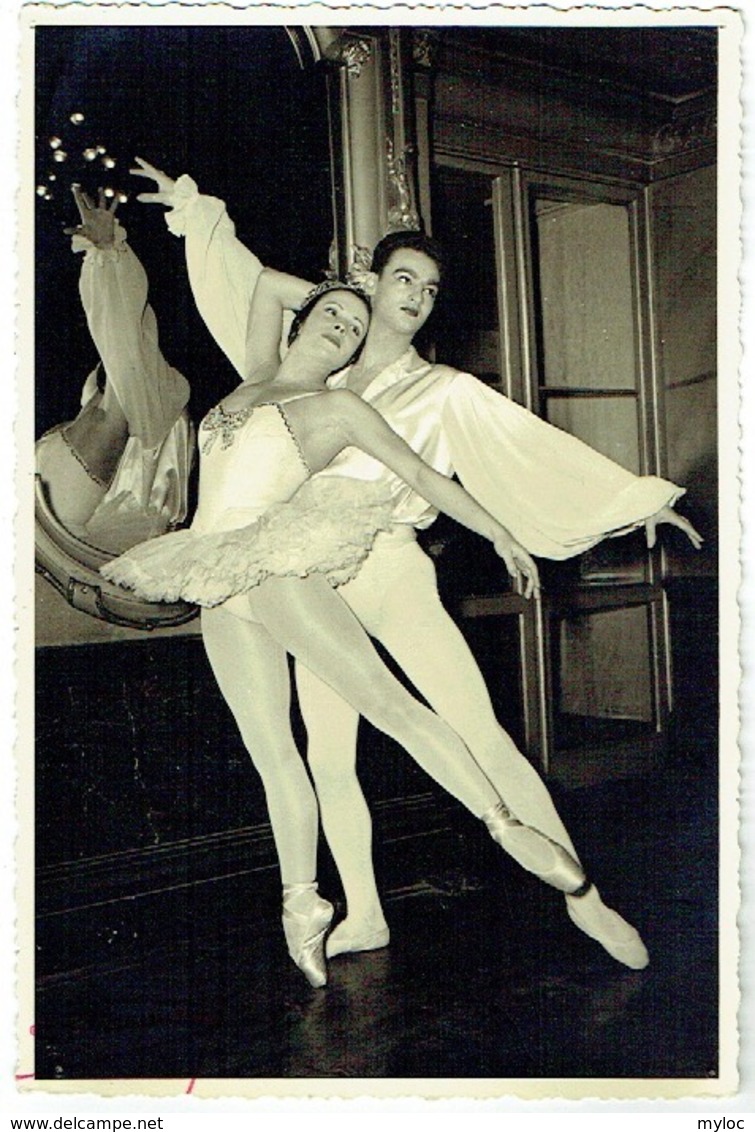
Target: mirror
{"x":196,"y":100}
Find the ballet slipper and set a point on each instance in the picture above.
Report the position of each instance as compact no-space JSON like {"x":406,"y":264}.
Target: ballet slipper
{"x":347,"y":937}
{"x":533,"y":850}
{"x":306,"y":919}
{"x":622,"y":942}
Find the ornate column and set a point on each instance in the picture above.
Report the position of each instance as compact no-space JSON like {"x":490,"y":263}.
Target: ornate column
{"x":373,"y":138}
{"x":424,"y":52}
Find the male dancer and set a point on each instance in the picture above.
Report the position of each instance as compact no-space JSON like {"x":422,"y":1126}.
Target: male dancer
{"x":118,"y":473}
{"x":557,"y":497}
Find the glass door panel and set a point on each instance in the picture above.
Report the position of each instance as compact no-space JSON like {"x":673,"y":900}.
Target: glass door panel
{"x":608,"y":424}
{"x":583,"y":270}
{"x":586,"y":338}
{"x":604,"y":671}
{"x":604,"y":717}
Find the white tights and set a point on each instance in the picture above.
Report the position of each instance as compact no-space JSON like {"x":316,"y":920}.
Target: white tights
{"x":308,"y":619}
{"x":395,"y":597}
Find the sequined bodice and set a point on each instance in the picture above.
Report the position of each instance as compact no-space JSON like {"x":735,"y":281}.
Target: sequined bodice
{"x":249,"y":460}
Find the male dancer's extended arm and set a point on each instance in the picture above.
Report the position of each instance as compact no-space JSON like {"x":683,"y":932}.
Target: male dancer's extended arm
{"x":538,"y":509}
{"x":113,"y":288}
{"x":557,"y":495}
{"x":223,"y":272}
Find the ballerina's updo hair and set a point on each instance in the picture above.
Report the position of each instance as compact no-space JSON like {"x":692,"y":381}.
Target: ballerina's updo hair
{"x":313,"y":299}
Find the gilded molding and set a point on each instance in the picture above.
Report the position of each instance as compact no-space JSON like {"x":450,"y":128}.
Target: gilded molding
{"x":351,"y":52}
{"x":395,"y":60}
{"x":424,"y":46}
{"x":402,"y":213}
{"x":360,"y":261}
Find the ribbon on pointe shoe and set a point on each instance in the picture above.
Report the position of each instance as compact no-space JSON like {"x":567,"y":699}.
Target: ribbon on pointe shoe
{"x":305,"y":928}
{"x":533,"y":850}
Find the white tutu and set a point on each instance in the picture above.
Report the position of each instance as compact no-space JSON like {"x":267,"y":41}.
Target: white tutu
{"x":327,"y":527}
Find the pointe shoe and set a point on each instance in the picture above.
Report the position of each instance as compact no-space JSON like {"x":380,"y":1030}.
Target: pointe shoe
{"x":622,"y":942}
{"x":305,"y":925}
{"x":533,"y":850}
{"x":345,"y":939}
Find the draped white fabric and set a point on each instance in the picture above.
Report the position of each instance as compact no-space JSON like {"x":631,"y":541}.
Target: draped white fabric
{"x":113,"y":288}
{"x":149,"y":493}
{"x":556,"y":495}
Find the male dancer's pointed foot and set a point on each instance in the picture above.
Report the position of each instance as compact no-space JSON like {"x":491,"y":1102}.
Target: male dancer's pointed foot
{"x":553,"y":864}
{"x":622,"y":942}
{"x":349,"y":936}
{"x":306,"y":919}
{"x":533,"y":850}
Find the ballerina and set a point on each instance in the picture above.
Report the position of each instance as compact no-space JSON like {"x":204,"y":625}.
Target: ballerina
{"x":265,"y":548}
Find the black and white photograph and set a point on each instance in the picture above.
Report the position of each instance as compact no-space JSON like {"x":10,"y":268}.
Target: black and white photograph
{"x":369,"y":445}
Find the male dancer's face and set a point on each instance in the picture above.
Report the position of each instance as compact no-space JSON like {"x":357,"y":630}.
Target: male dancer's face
{"x":405,"y":292}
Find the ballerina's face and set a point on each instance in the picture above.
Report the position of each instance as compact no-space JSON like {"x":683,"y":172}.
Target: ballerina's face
{"x":335,"y":328}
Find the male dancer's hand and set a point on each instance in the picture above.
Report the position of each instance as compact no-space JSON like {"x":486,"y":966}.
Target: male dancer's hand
{"x":165,"y":185}
{"x":97,"y":220}
{"x":669,"y":515}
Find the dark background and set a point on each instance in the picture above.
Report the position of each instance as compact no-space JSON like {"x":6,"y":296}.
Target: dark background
{"x":232,"y":107}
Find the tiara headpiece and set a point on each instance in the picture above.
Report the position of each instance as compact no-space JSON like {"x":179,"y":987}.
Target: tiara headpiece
{"x":334,"y":284}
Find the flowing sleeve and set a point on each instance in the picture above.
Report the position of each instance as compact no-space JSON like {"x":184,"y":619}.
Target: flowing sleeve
{"x":557,"y":496}
{"x":113,"y":289}
{"x":223,"y":273}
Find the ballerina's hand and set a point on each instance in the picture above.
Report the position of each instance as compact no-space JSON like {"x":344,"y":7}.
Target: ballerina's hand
{"x":519,"y":564}
{"x":669,"y":515}
{"x":165,"y":184}
{"x":97,"y":220}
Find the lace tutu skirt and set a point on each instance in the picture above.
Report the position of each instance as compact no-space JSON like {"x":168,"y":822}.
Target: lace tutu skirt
{"x":327,"y":527}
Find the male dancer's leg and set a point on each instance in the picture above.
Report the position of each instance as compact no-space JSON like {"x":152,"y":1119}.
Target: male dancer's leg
{"x":395,"y":596}
{"x":344,"y":813}
{"x":416,"y":629}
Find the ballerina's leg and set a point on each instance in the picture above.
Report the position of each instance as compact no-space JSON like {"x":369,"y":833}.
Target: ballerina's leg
{"x":251,"y":669}
{"x":429,"y":647}
{"x":311,"y":622}
{"x":417,"y":630}
{"x":432,"y":651}
{"x":252,"y":673}
{"x":344,"y":813}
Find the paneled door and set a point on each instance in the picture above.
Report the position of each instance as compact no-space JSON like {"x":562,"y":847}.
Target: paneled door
{"x":576,"y":344}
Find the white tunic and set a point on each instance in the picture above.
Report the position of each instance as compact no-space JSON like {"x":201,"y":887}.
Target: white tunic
{"x":555,"y":494}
